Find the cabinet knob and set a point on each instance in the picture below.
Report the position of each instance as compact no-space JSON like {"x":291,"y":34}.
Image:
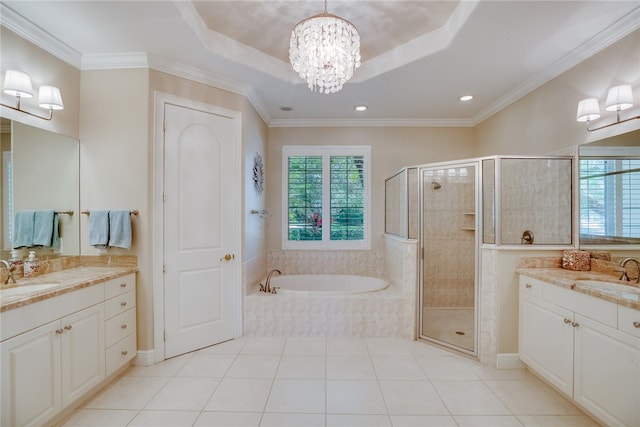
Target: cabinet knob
{"x":636,"y":324}
{"x":528,"y":286}
{"x":123,"y":285}
{"x":68,"y":327}
{"x":124,"y":326}
{"x":567,"y":320}
{"x":575,"y":324}
{"x":59,"y":331}
{"x":123,"y":304}
{"x":124,"y":353}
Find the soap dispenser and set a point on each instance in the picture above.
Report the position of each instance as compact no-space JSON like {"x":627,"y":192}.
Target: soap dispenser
{"x":31,"y":265}
{"x":15,"y":260}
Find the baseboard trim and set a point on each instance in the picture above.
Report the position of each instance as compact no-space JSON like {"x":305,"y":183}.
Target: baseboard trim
{"x":145,"y":358}
{"x":509,"y":361}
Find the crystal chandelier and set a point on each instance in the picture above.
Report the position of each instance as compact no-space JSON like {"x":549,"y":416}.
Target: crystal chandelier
{"x":325,"y":51}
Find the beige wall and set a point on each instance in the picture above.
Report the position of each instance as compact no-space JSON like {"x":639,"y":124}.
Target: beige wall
{"x":45,"y":69}
{"x":391,"y":149}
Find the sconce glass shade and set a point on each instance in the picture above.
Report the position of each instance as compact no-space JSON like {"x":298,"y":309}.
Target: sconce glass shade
{"x":619,"y":98}
{"x":588,"y":109}
{"x":49,"y":97}
{"x":17,"y":83}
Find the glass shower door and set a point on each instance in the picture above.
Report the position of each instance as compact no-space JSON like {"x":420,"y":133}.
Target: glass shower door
{"x":448,"y":297}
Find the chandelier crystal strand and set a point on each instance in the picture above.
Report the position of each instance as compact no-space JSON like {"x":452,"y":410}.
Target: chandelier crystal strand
{"x":325,"y":51}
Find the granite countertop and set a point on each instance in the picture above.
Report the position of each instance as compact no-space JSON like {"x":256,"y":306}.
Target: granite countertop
{"x":629,"y":297}
{"x":81,"y":275}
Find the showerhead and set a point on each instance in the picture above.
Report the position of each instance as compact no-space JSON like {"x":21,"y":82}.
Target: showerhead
{"x":436,"y":185}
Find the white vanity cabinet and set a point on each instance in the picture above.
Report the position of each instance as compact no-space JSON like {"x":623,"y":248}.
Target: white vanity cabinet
{"x":579,"y":344}
{"x":53,"y":352}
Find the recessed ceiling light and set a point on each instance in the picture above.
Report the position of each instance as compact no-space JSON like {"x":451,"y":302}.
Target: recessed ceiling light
{"x":466,"y":98}
{"x":286,"y":108}
{"x":360,"y":107}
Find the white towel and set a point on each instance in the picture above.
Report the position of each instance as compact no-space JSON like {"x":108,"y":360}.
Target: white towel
{"x":120,"y":229}
{"x":99,"y":228}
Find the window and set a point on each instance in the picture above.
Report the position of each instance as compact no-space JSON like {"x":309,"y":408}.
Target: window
{"x":326,"y":197}
{"x":610,"y":199}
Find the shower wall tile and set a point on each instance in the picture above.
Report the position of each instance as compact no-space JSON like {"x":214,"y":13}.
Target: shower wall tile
{"x":488,"y":322}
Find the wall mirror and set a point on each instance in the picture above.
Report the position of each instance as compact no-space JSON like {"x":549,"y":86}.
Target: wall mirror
{"x":610,"y":191}
{"x":40,"y":170}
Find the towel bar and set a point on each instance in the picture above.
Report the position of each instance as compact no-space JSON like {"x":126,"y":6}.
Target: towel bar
{"x":64,"y":212}
{"x":133,"y":212}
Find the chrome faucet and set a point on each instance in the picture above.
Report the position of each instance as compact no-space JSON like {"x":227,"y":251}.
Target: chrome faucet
{"x":10,"y":268}
{"x":623,"y":264}
{"x":266,"y":288}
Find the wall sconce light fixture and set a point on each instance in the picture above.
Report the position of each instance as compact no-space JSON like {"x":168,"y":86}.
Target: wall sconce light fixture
{"x":619,"y":98}
{"x":18,"y":84}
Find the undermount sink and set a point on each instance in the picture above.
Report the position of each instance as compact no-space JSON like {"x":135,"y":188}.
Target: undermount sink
{"x":610,"y":286}
{"x":26,"y":289}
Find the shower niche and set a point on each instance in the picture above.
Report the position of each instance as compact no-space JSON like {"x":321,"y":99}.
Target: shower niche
{"x":453,"y":208}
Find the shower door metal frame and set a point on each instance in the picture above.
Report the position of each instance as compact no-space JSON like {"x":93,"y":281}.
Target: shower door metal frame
{"x":477,"y":165}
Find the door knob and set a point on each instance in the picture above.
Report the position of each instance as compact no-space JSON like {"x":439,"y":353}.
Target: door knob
{"x":227,"y":257}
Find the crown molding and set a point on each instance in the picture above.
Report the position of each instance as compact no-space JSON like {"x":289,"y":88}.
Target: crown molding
{"x":36,"y":35}
{"x":602,"y":40}
{"x":113,"y":61}
{"x":293,"y":123}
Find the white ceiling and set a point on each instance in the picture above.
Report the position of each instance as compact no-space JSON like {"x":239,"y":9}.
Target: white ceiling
{"x":418,"y":56}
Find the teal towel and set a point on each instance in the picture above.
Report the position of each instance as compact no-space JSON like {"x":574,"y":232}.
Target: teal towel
{"x":55,"y":240}
{"x":43,"y":227}
{"x":99,"y":228}
{"x":23,"y":229}
{"x":120,"y":229}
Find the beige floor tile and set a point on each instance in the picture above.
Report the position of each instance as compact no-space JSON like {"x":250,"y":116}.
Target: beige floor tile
{"x":240,"y":395}
{"x":184,"y":394}
{"x":354,"y":397}
{"x":397,"y":368}
{"x":128,"y":393}
{"x":446,"y":368}
{"x":168,"y":368}
{"x":487,"y":421}
{"x":307,"y":396}
{"x":358,"y":421}
{"x":263,"y":345}
{"x":557,"y":421}
{"x":100,"y":418}
{"x":228,"y":347}
{"x":302,"y":367}
{"x":531,"y":397}
{"x":423,"y":421}
{"x":387,"y":347}
{"x":490,"y":373}
{"x":340,"y":346}
{"x":469,"y":398}
{"x":350,"y":368}
{"x":228,"y":419}
{"x":165,"y":419}
{"x":412,"y":398}
{"x":207,"y":365}
{"x":306,"y":346}
{"x":254,"y":366}
{"x":293,"y":420}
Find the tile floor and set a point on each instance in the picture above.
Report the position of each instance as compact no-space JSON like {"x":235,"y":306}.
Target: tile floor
{"x":308,"y":382}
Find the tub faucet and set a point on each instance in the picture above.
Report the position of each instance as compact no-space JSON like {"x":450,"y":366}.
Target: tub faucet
{"x":10,"y":268}
{"x":624,"y":271}
{"x":266,"y":288}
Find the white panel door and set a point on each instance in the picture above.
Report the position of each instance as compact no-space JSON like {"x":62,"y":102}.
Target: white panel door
{"x":198,"y":233}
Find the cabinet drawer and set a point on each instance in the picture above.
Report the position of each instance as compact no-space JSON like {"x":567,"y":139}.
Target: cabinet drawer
{"x":629,"y":320}
{"x":119,"y":304}
{"x":120,"y":326}
{"x":115,"y":287}
{"x":594,"y":308}
{"x":529,"y":286}
{"x":120,"y":353}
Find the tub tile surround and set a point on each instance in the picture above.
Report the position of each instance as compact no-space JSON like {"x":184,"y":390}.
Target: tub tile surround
{"x":70,"y":273}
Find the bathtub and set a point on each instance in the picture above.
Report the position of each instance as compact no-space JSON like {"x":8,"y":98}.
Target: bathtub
{"x":327,"y":283}
{"x":328,"y":305}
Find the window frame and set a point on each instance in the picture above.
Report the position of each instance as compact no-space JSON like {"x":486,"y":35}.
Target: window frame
{"x":326,"y":152}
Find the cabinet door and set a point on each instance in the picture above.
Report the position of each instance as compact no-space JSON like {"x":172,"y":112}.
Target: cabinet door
{"x":83,"y":350}
{"x":546,"y":341}
{"x":607,"y":373}
{"x":31,"y":376}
